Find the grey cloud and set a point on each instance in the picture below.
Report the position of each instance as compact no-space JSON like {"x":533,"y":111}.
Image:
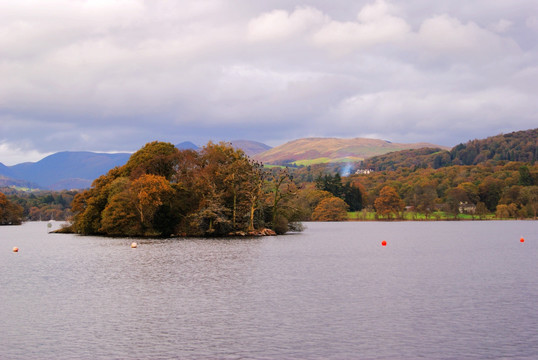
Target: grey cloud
{"x":113,"y":75}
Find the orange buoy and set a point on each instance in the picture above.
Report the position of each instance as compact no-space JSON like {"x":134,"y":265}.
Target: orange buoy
{"x":134,"y":245}
{"x":522,"y":240}
{"x":15,"y":249}
{"x":383,"y":243}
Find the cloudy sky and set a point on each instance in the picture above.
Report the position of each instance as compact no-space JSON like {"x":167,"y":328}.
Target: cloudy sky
{"x":111,"y":75}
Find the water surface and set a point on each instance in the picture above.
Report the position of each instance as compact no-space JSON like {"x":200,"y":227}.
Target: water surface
{"x":438,"y":290}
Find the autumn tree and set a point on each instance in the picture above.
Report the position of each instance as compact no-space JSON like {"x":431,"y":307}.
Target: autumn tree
{"x":10,"y":213}
{"x":455,"y":198}
{"x":150,"y":193}
{"x":388,"y":203}
{"x":502,"y":211}
{"x":330,"y":209}
{"x":155,"y":158}
{"x":308,"y":199}
{"x":161,"y":191}
{"x":282,"y":193}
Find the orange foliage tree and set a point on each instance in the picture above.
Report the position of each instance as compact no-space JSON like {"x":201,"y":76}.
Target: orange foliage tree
{"x":388,"y":204}
{"x":162,"y":191}
{"x":330,"y":209}
{"x":10,"y":213}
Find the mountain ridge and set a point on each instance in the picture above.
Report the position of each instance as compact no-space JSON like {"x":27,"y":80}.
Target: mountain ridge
{"x":306,"y":151}
{"x":78,"y":169}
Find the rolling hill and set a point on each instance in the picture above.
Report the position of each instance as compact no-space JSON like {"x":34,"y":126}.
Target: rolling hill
{"x":514,"y":146}
{"x":64,"y":170}
{"x":310,"y":151}
{"x":77,"y":170}
{"x":187,"y":145}
{"x":250,"y":148}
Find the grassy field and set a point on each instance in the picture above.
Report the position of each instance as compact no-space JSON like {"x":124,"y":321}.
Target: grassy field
{"x":324,"y":160}
{"x":439,"y":215}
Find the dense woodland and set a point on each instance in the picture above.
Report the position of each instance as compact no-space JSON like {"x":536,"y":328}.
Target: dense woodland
{"x":218,"y":190}
{"x":163,"y":191}
{"x":42,"y":205}
{"x":521,"y":146}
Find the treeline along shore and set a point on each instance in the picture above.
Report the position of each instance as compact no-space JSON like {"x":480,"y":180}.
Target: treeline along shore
{"x":219,"y":191}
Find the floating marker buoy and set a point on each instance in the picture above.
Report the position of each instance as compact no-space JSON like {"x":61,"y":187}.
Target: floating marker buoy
{"x":383,"y":243}
{"x":522,"y":240}
{"x":15,"y":249}
{"x":134,"y":245}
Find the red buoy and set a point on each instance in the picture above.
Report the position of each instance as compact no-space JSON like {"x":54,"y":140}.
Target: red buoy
{"x":522,"y":240}
{"x":15,"y":249}
{"x":383,"y":243}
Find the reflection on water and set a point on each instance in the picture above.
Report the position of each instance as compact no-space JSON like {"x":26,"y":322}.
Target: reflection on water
{"x":437,"y":290}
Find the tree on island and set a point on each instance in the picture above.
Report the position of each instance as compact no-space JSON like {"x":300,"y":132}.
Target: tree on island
{"x":10,"y":213}
{"x":163,"y":191}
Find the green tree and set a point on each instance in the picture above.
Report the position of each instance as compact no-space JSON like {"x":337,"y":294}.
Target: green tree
{"x":330,"y":183}
{"x":529,"y":199}
{"x":490,"y":190}
{"x":525,"y":177}
{"x":352,"y":197}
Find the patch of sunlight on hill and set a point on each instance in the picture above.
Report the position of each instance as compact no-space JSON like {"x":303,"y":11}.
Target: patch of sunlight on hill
{"x":324,"y":160}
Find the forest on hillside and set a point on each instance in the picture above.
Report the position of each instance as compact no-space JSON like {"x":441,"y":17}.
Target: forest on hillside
{"x":521,"y":146}
{"x":218,"y":190}
{"x":42,"y":205}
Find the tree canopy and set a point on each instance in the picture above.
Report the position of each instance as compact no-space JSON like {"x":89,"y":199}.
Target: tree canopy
{"x":163,"y":191}
{"x":10,"y":213}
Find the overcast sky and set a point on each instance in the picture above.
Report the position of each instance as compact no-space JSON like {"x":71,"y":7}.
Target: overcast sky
{"x":112,"y":75}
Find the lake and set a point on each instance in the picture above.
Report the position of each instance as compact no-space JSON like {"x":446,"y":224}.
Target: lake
{"x":438,"y":290}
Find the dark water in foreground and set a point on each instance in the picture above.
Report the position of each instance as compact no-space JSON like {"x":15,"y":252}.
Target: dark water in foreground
{"x":459,"y":290}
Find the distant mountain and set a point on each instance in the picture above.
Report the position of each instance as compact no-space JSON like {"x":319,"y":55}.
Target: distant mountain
{"x":65,"y":170}
{"x":7,"y":181}
{"x":187,"y":145}
{"x":77,"y":170}
{"x":310,"y":151}
{"x":250,"y":148}
{"x":515,"y":146}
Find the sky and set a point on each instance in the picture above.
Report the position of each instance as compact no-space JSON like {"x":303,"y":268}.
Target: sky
{"x":112,"y":75}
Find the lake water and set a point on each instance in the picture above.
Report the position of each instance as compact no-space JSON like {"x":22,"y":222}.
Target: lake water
{"x":438,"y":290}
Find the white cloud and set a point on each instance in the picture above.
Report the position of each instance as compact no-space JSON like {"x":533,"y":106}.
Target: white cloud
{"x":375,"y":25}
{"x":502,"y":26}
{"x":532,"y":22}
{"x":12,"y":154}
{"x":448,"y":36}
{"x":280,"y":24}
{"x":408,"y":111}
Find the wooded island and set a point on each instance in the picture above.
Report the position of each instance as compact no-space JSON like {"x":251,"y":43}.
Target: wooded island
{"x":163,"y":191}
